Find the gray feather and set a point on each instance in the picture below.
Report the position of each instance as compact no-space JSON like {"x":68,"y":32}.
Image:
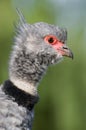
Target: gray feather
{"x":12,"y":116}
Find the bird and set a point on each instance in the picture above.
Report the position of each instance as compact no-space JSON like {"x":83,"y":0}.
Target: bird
{"x":35,"y":47}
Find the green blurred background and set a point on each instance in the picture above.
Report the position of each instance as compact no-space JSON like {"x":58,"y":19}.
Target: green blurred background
{"x":62,"y":91}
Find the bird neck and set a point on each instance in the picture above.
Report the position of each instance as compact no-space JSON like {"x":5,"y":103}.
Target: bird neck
{"x":26,"y":70}
{"x":21,"y":97}
{"x":24,"y":86}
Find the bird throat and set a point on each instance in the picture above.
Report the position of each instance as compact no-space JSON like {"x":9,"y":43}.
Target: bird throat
{"x":26,"y":71}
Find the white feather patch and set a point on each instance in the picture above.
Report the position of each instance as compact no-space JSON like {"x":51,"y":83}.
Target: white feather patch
{"x":25,"y":86}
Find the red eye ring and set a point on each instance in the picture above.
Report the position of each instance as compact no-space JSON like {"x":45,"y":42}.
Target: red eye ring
{"x":51,"y":39}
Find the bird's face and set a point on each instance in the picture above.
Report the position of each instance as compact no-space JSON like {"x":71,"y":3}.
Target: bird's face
{"x":58,"y":45}
{"x":50,"y":41}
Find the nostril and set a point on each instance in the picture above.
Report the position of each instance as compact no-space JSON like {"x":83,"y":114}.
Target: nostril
{"x":65,"y":47}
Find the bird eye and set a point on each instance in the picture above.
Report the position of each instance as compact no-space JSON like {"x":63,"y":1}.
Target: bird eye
{"x":50,"y":39}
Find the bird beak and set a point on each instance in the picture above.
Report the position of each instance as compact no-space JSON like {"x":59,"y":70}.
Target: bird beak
{"x":65,"y":51}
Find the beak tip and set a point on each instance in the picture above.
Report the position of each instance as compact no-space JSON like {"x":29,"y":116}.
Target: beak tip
{"x":71,"y":55}
{"x":67,"y":52}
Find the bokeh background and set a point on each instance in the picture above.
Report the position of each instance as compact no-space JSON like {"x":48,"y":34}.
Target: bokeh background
{"x":62,"y":91}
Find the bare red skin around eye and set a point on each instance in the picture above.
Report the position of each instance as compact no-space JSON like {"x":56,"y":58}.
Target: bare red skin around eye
{"x":52,"y":37}
{"x":56,"y":43}
{"x":58,"y":46}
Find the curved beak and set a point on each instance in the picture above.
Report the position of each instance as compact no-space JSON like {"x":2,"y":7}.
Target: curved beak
{"x":66,"y":51}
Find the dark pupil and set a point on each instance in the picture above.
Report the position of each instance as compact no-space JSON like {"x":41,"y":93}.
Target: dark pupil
{"x":51,"y":40}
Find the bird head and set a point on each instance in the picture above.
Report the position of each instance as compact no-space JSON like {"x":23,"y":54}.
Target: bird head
{"x":47,"y":40}
{"x":36,"y":47}
{"x":42,"y":39}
